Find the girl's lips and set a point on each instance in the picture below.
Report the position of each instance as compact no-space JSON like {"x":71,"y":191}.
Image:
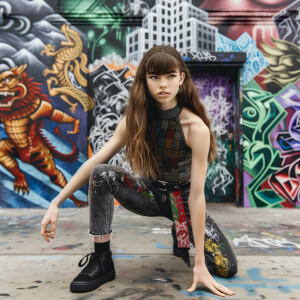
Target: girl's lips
{"x":163,"y":95}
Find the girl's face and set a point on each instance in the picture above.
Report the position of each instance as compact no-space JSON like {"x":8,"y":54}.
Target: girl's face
{"x":164,"y":88}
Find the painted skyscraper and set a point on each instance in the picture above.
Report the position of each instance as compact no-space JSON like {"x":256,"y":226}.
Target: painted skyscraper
{"x":172,"y":22}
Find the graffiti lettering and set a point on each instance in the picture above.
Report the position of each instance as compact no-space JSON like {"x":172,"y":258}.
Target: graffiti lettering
{"x":219,"y":108}
{"x":285,"y":181}
{"x":261,"y":114}
{"x":287,"y":26}
{"x":246,"y":241}
{"x":110,"y":90}
{"x":200,"y":55}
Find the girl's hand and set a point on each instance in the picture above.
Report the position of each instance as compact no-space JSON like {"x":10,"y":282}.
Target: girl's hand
{"x":51,"y":216}
{"x":202,"y":275}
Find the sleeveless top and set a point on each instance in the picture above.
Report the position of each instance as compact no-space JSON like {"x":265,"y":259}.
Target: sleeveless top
{"x":173,"y":155}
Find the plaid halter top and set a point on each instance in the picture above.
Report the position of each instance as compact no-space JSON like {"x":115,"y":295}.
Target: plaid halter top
{"x":173,"y":155}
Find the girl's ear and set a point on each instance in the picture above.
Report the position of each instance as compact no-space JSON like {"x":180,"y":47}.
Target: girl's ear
{"x":182,"y":77}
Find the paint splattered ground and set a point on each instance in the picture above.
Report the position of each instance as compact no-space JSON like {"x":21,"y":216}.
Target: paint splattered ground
{"x":267,"y":242}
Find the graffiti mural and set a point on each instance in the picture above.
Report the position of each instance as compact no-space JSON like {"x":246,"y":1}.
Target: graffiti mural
{"x":216,"y":92}
{"x":33,"y":117}
{"x":272,"y":63}
{"x":278,"y":184}
{"x":261,"y":114}
{"x":78,"y":78}
{"x":110,"y":92}
{"x":109,"y":85}
{"x":65,"y":61}
{"x":287,"y":25}
{"x":284,"y":61}
{"x":285,"y":181}
{"x":21,"y":110}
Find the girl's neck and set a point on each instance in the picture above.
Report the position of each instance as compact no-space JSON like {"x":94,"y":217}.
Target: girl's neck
{"x":166,"y":106}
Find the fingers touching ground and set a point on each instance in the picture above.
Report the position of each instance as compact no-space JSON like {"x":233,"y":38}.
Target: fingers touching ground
{"x":193,"y":287}
{"x":224,"y":289}
{"x":215,"y":287}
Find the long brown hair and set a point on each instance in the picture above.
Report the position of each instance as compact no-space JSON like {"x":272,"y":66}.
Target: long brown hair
{"x":140,"y":148}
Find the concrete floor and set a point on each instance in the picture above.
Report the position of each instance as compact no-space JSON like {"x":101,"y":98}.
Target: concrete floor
{"x":267,"y":242}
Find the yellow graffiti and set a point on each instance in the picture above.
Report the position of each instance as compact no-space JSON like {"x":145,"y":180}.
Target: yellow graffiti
{"x":284,"y":61}
{"x":272,"y":235}
{"x":67,"y":70}
{"x":220,"y":261}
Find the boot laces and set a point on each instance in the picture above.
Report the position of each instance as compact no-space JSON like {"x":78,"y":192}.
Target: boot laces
{"x":92,"y":262}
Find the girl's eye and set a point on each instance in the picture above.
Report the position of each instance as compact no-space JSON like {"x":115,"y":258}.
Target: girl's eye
{"x":153,"y":77}
{"x":172,"y":75}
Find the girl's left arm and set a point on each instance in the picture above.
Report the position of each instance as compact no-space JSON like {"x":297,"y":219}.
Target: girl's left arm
{"x":199,"y":141}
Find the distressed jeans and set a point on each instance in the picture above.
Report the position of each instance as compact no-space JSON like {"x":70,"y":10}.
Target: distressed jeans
{"x":143,"y":197}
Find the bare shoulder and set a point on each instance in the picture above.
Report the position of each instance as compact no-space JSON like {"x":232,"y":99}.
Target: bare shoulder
{"x":194,"y":129}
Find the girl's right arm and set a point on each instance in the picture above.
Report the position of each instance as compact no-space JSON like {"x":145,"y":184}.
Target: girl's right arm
{"x":81,"y":177}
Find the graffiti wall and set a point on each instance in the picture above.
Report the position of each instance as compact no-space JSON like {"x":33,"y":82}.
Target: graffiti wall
{"x":43,"y":104}
{"x":66,"y":68}
{"x":270,"y":97}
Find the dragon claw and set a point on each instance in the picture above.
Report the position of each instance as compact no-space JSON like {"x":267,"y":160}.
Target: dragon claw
{"x":73,"y":107}
{"x":45,"y":73}
{"x":20,"y":185}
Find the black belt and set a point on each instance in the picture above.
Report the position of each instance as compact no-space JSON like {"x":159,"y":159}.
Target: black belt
{"x":172,"y":186}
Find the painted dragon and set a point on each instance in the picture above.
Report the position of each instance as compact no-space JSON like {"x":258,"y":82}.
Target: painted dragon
{"x":67,"y":70}
{"x":22,"y":108}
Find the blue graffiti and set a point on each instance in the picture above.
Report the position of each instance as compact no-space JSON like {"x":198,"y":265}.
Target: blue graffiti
{"x":161,"y":246}
{"x":254,"y":274}
{"x":123,"y":256}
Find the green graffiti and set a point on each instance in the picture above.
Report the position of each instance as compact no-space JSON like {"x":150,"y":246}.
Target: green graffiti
{"x":261,"y":114}
{"x":90,"y":8}
{"x":104,"y":19}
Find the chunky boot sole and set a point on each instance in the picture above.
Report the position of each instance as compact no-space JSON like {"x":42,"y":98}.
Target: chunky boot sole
{"x":81,"y":287}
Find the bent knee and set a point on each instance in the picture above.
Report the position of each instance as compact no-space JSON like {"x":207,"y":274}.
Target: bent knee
{"x":99,"y":169}
{"x":232,"y":270}
{"x":103,"y":174}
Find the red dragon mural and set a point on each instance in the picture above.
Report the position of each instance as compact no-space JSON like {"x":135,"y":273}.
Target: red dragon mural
{"x":22,"y":110}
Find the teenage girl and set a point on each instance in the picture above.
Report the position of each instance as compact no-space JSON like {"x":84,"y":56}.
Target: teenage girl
{"x":168,"y":143}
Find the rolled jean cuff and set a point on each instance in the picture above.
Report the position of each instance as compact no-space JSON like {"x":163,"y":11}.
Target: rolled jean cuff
{"x":99,"y":237}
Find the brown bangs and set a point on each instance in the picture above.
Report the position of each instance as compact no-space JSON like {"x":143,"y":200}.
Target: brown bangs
{"x":161,"y":63}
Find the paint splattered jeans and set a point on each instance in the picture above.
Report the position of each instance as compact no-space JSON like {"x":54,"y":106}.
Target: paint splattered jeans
{"x":144,"y":198}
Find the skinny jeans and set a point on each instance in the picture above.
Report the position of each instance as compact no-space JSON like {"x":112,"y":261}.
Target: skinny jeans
{"x":145,"y":197}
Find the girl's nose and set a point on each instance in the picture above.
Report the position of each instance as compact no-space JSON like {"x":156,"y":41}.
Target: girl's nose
{"x":163,"y":83}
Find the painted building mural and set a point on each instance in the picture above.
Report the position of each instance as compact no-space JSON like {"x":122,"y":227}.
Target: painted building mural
{"x":43,"y":86}
{"x":66,"y":68}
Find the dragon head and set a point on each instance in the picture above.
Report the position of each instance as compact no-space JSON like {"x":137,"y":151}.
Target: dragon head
{"x":12,"y":87}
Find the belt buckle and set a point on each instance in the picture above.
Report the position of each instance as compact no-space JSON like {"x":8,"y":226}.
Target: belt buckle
{"x":163,"y":183}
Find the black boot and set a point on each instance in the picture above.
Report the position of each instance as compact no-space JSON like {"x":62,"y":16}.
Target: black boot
{"x":180,"y":252}
{"x":98,"y":271}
